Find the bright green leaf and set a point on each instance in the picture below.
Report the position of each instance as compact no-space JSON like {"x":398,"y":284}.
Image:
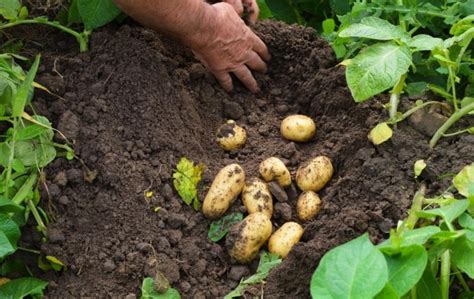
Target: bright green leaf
{"x":185,"y":179}
{"x":329,"y":25}
{"x":373,"y":28}
{"x":448,"y":212}
{"x":428,"y":287}
{"x":419,"y":166}
{"x":381,"y":133}
{"x":356,"y":269}
{"x":464,"y":181}
{"x":376,"y":69}
{"x":22,"y":287}
{"x":95,"y":14}
{"x":462,"y":254}
{"x":424,"y":42}
{"x":466,"y":221}
{"x":220,"y":228}
{"x":7,"y":206}
{"x":417,"y":236}
{"x":265,"y":12}
{"x":30,"y":132}
{"x":9,"y":235}
{"x":9,"y":9}
{"x":21,"y":96}
{"x":148,"y":291}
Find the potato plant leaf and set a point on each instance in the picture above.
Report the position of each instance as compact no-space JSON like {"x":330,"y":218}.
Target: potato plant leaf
{"x":464,"y":181}
{"x":376,"y":69}
{"x":221,"y":227}
{"x":9,"y":235}
{"x":428,"y":286}
{"x":185,"y":180}
{"x":22,"y":287}
{"x":381,"y":133}
{"x":267,"y":262}
{"x":424,"y":42}
{"x":356,"y":269}
{"x":21,"y":96}
{"x":9,"y":9}
{"x":373,"y":28}
{"x":96,"y":13}
{"x":149,"y":292}
{"x":418,"y":168}
{"x":449,"y":212}
{"x":463,"y":255}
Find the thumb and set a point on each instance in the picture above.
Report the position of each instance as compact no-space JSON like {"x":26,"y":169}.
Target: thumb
{"x":237,"y":5}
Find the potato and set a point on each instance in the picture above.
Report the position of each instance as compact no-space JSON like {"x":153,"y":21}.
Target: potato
{"x":314,"y":174}
{"x":308,"y":205}
{"x":225,"y":188}
{"x":257,"y":197}
{"x":298,"y":128}
{"x":246,"y":237}
{"x":285,"y":238}
{"x":230,"y":136}
{"x":274,"y":169}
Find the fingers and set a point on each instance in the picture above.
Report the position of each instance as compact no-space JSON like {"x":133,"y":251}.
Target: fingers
{"x":245,"y":76}
{"x":254,"y":10}
{"x":260,"y":47}
{"x":237,"y":5}
{"x":256,"y":63}
{"x":224,"y":80}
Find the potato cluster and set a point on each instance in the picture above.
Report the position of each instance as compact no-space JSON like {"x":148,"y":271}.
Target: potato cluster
{"x":246,"y":238}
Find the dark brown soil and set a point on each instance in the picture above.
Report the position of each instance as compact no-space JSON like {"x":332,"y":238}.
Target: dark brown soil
{"x":135,"y":104}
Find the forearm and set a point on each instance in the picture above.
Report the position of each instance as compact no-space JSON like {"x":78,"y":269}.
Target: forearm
{"x":184,"y":20}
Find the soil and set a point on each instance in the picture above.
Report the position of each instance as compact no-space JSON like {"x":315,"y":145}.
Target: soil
{"x":136,"y":103}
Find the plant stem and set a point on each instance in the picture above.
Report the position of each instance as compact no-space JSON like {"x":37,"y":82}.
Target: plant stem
{"x":82,"y":38}
{"x":451,"y":120}
{"x":39,"y":221}
{"x":395,"y":96}
{"x":411,"y":111}
{"x":400,"y":18}
{"x":413,"y":293}
{"x":415,"y":207}
{"x":410,"y":10}
{"x":452,"y":80}
{"x":456,"y":133}
{"x":12,"y":156}
{"x":26,"y":188}
{"x":445,"y":273}
{"x":461,"y":279}
{"x":29,"y":250}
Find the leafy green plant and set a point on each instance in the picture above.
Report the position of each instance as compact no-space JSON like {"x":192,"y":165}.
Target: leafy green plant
{"x":186,"y":178}
{"x":424,"y":253}
{"x":149,"y":292}
{"x":92,"y":13}
{"x":26,"y":146}
{"x":267,"y":262}
{"x":220,"y":228}
{"x":12,"y":13}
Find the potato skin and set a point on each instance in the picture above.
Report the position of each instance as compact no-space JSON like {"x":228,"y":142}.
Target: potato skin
{"x":308,"y":205}
{"x":225,"y":188}
{"x":298,"y":128}
{"x":283,"y":240}
{"x":230,"y":136}
{"x":257,"y":197}
{"x":314,"y":174}
{"x":274,"y":169}
{"x":246,"y":237}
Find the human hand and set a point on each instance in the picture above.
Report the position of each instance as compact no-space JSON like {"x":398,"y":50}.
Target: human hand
{"x":250,"y":6}
{"x":229,"y":46}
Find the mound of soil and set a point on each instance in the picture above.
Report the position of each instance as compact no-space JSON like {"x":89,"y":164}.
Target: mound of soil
{"x":135,"y":103}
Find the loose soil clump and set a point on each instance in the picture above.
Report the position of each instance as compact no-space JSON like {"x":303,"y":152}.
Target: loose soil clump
{"x":136,"y":103}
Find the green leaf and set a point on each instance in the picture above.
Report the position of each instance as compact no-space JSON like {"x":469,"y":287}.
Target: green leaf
{"x":95,"y":14}
{"x":329,"y":25}
{"x":22,"y":287}
{"x":418,"y":167}
{"x":9,"y":9}
{"x":9,"y":235}
{"x":73,"y":16}
{"x":424,"y":42}
{"x":449,"y":212}
{"x":381,"y":133}
{"x":373,"y":28}
{"x":7,"y":206}
{"x":462,"y":254}
{"x":406,"y":268}
{"x":186,"y":178}
{"x":428,"y":287}
{"x":376,"y":69}
{"x":466,"y":221}
{"x":148,"y":291}
{"x":356,"y":269}
{"x":267,"y":262}
{"x":464,"y":181}
{"x":21,"y":96}
{"x":220,"y":228}
{"x":416,"y":88}
{"x":30,"y":132}
{"x":283,"y":10}
{"x":265,"y":12}
{"x":418,"y":236}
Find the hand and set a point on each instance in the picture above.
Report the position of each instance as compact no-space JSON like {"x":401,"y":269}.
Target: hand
{"x":251,"y":6}
{"x":229,"y":46}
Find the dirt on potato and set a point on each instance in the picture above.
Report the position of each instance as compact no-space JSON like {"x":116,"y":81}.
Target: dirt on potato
{"x":136,"y":103}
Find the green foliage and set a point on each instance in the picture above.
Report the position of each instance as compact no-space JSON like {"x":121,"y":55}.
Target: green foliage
{"x":22,"y":287}
{"x":417,"y":262}
{"x":149,"y":292}
{"x":220,"y":228}
{"x":93,"y":13}
{"x":267,"y":262}
{"x":186,"y":179}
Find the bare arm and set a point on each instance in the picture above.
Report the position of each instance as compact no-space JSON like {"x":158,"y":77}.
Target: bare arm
{"x":215,"y":33}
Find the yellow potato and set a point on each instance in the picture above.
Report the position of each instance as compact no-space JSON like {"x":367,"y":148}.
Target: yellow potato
{"x":308,"y":205}
{"x":225,"y":188}
{"x":274,"y":169}
{"x":257,"y":198}
{"x":314,"y":174}
{"x":283,"y":240}
{"x":230,"y":136}
{"x":246,"y":237}
{"x":298,"y":128}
